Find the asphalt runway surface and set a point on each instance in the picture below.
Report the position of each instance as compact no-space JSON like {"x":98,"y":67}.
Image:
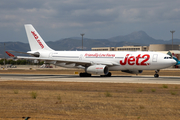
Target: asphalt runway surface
{"x":75,"y":78}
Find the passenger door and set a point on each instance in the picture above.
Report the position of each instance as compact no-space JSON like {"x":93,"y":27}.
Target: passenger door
{"x":155,"y":56}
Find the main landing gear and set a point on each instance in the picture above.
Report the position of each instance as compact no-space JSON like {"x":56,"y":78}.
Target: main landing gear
{"x":108,"y":75}
{"x":89,"y":75}
{"x":84,"y":75}
{"x":156,"y":75}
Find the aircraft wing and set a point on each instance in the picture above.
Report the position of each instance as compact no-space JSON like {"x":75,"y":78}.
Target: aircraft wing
{"x":70,"y":61}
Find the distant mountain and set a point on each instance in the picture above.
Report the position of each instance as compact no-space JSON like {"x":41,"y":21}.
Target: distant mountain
{"x":140,"y":38}
{"x":175,"y":41}
{"x":75,"y":43}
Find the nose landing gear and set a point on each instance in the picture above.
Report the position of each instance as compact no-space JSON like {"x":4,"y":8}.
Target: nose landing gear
{"x":156,"y":75}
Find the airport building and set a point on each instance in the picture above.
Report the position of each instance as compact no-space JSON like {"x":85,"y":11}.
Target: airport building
{"x":151,"y":47}
{"x":104,"y":49}
{"x":162,"y":47}
{"x":124,"y":48}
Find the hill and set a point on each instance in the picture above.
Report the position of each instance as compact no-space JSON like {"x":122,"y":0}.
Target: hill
{"x":75,"y":43}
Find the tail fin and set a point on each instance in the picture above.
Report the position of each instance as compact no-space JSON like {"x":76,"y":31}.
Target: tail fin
{"x":35,"y":40}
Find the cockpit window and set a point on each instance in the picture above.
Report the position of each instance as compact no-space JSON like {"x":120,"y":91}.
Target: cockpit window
{"x":167,"y":58}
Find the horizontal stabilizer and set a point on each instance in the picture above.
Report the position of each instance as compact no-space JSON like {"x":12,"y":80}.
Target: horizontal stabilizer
{"x":19,"y":52}
{"x":9,"y":54}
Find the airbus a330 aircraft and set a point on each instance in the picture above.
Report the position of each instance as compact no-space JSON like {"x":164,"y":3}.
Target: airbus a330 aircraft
{"x":97,"y":62}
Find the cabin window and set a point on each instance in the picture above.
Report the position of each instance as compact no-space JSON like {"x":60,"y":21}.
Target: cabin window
{"x":167,"y":58}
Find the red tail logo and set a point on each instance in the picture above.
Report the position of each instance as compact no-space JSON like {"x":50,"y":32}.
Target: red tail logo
{"x":36,"y":37}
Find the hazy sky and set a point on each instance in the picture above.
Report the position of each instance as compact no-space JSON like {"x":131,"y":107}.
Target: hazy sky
{"x":57,"y":19}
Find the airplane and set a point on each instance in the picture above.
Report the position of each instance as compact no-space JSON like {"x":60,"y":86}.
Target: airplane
{"x":97,"y":62}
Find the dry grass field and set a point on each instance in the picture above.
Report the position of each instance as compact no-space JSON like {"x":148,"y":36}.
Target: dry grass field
{"x":87,"y":101}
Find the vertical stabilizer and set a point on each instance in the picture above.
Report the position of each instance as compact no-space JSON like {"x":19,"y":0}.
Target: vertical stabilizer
{"x":35,"y":40}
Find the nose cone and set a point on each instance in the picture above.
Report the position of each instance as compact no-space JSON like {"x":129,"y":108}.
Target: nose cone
{"x":173,"y":62}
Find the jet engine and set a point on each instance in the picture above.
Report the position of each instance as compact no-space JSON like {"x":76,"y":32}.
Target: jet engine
{"x":133,"y":71}
{"x":97,"y":69}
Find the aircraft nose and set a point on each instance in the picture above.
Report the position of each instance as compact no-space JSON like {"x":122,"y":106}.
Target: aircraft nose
{"x":173,"y":62}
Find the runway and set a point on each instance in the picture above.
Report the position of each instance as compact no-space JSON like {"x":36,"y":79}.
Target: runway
{"x":76,"y":78}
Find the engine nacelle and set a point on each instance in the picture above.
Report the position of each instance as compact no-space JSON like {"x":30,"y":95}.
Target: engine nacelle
{"x":133,"y":71}
{"x":97,"y":69}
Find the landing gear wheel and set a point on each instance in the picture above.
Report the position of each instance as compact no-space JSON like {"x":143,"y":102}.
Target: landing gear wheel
{"x":108,"y":75}
{"x":156,"y":75}
{"x":84,"y":75}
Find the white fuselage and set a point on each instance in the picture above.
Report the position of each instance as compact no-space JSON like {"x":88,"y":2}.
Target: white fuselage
{"x":120,"y":60}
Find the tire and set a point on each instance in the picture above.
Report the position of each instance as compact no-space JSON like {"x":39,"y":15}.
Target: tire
{"x":108,"y":75}
{"x":84,"y":75}
{"x":156,"y":75}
